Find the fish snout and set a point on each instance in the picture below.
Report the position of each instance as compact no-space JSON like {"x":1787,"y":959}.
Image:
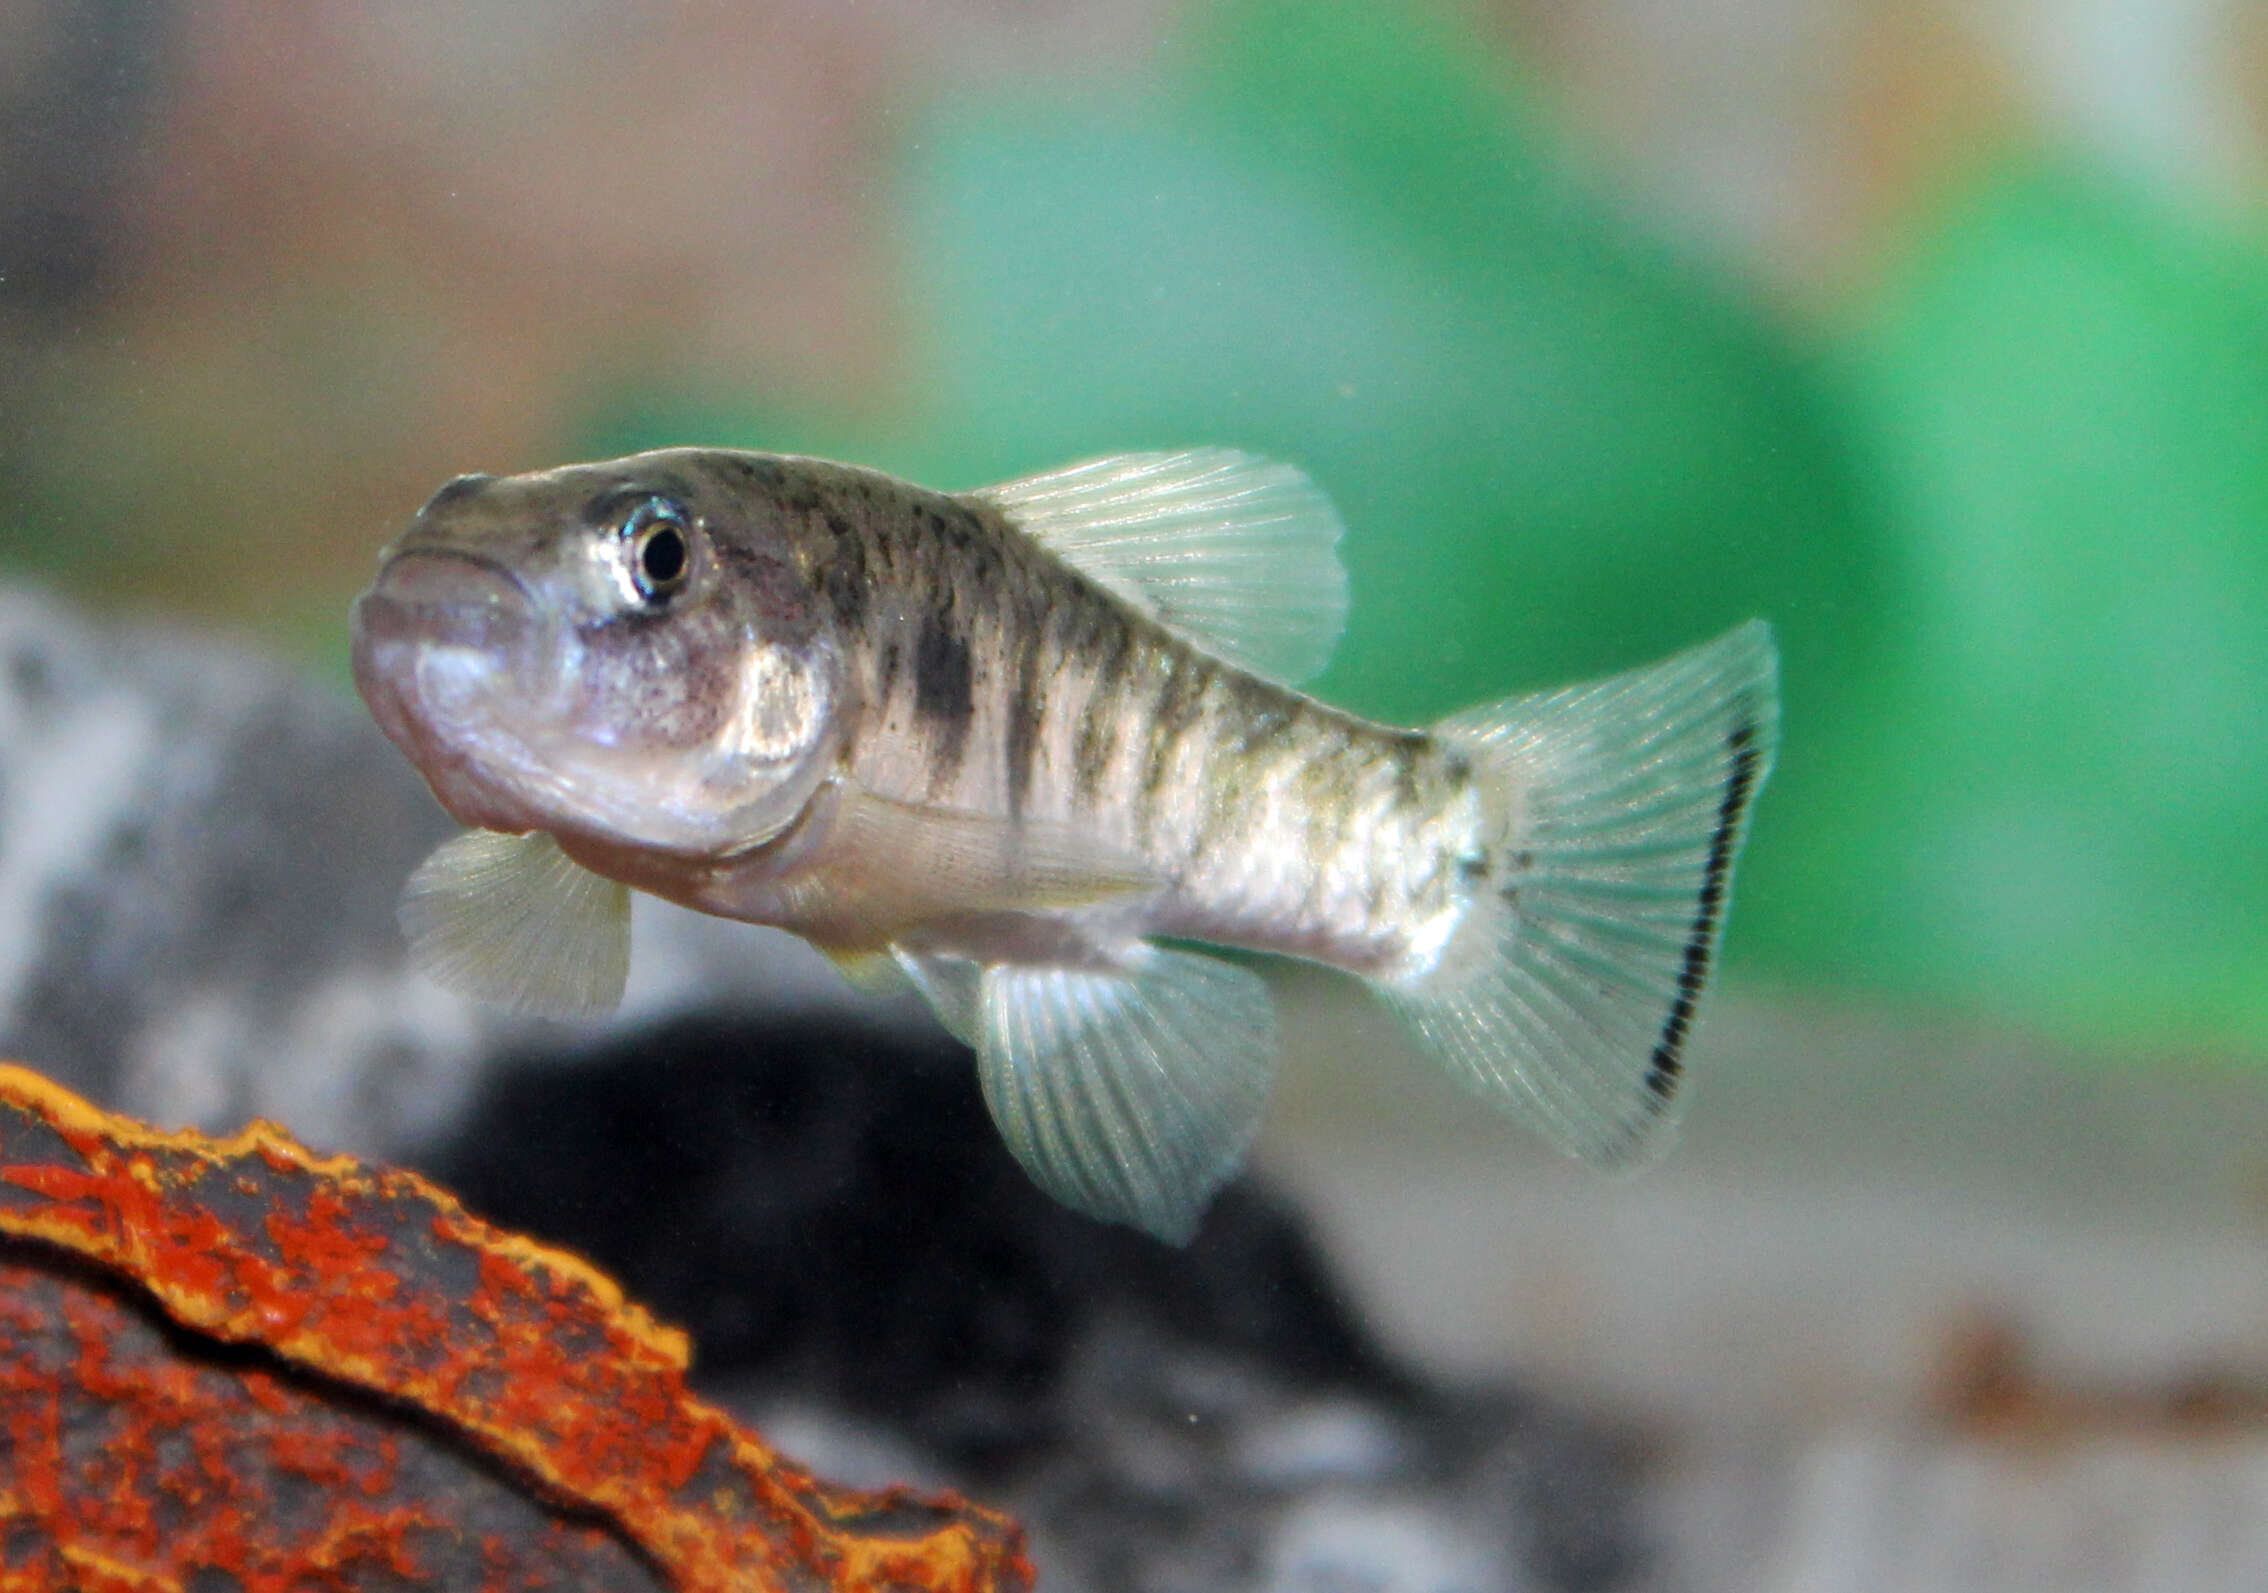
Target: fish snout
{"x":443,"y":598}
{"x":444,"y":640}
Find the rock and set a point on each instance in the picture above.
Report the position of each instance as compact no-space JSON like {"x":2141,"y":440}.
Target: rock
{"x":200,"y":853}
{"x":199,"y":856}
{"x":230,"y":1362}
{"x":825,"y":1206}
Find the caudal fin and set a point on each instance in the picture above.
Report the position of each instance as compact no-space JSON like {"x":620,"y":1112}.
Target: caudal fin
{"x":1615,"y":811}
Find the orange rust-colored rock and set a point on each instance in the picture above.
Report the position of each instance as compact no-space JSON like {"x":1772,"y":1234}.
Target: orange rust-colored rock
{"x":130,"y":1460}
{"x":371,"y":1279}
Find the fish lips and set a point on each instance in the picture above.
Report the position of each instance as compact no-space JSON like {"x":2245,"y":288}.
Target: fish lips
{"x":443,"y":642}
{"x":441,"y":597}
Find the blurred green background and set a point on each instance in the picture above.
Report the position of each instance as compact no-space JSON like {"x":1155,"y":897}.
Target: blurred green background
{"x":1606,"y":326}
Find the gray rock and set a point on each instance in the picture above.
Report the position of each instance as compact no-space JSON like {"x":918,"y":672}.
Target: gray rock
{"x":200,"y":853}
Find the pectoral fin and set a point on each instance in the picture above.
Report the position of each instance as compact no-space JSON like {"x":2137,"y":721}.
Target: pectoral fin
{"x":509,"y":919}
{"x":1129,"y":1094}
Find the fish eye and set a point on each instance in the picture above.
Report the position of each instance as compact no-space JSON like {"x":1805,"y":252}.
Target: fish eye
{"x":659,"y":538}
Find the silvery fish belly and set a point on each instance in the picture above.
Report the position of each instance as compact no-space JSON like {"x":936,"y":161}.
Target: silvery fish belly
{"x":1028,"y":747}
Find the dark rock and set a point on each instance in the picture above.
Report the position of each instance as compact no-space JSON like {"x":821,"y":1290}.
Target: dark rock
{"x":867,"y":1273}
{"x":826,"y":1207}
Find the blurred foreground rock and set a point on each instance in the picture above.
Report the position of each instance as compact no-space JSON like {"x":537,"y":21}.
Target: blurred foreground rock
{"x":199,"y":855}
{"x":871,"y":1278}
{"x":307,"y":1372}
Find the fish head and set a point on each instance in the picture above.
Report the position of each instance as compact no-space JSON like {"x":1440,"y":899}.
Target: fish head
{"x":623,"y":652}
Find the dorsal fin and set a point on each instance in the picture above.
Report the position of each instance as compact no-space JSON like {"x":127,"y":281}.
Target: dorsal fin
{"x":1238,"y":554}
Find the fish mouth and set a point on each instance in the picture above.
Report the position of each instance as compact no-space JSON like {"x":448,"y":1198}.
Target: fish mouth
{"x":442,"y":597}
{"x":449,"y":647}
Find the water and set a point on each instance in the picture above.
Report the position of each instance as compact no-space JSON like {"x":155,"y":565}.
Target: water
{"x":1607,"y":326}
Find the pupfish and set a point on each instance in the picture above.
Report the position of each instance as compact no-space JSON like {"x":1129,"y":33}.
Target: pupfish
{"x":1038,"y":750}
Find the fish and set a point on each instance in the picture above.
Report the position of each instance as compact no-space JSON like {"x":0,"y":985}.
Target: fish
{"x":1038,"y":751}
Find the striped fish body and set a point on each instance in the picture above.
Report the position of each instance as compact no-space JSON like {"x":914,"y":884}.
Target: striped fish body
{"x":1021,"y":746}
{"x":991,"y":678}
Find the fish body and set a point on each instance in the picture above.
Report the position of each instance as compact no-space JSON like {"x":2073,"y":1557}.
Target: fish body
{"x":982,"y":676}
{"x":1023,"y":746}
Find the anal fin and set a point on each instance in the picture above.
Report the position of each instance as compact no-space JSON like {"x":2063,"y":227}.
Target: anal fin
{"x":1129,"y":1093}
